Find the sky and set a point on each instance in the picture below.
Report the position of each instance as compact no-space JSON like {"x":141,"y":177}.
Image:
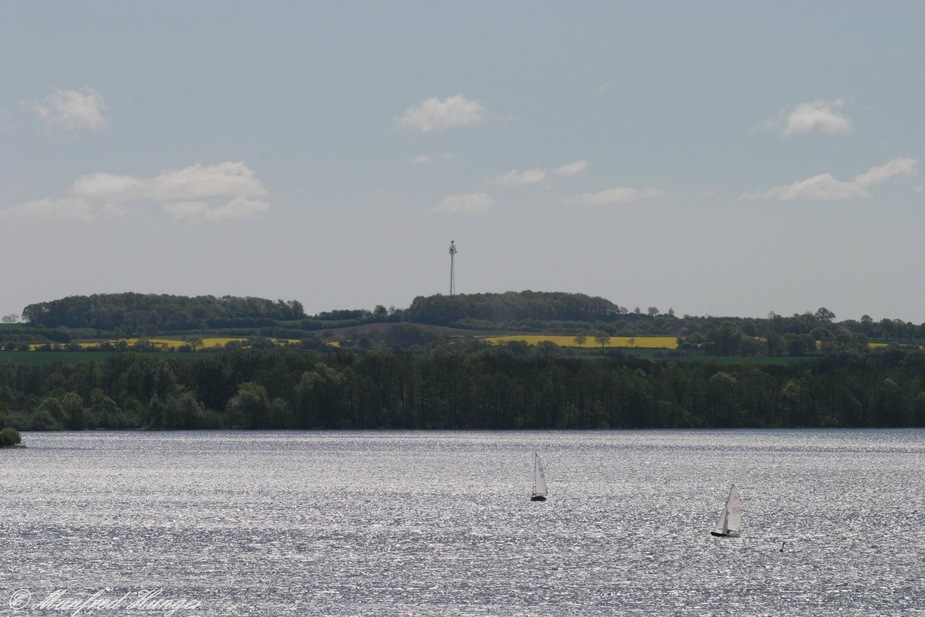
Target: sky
{"x":713,"y":158}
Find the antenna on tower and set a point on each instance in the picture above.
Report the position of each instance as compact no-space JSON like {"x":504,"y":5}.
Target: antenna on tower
{"x":452,"y":273}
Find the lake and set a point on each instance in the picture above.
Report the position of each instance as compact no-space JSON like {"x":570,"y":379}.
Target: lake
{"x":440,"y":523}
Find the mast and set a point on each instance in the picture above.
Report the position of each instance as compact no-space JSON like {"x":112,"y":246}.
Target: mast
{"x":539,"y":480}
{"x":452,"y":274}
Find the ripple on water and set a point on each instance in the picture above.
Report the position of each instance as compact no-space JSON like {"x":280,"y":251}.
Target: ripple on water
{"x":440,"y":523}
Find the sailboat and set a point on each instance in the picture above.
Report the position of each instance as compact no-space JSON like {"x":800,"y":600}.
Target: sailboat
{"x":539,"y":479}
{"x":730,"y":520}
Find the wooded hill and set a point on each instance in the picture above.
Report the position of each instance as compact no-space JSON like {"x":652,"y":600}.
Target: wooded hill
{"x":133,"y":313}
{"x":422,"y":367}
{"x":149,"y":315}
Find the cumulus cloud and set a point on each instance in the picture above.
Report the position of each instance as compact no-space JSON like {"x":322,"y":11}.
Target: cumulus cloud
{"x":427,"y":159}
{"x":572,"y":169}
{"x":820,"y":116}
{"x":193,"y":212}
{"x":896,"y":167}
{"x":434,"y":114}
{"x":193,"y":194}
{"x":72,"y":110}
{"x":620,"y":194}
{"x":817,"y":116}
{"x":534,"y":176}
{"x":515,"y":178}
{"x":472,"y":203}
{"x":825,"y":187}
{"x":49,"y":209}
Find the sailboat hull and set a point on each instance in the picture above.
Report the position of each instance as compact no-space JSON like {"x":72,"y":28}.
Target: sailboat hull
{"x":538,"y":498}
{"x":720,"y":534}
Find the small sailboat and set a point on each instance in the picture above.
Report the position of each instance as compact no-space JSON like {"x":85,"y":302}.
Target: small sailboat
{"x":539,"y":479}
{"x":730,"y":520}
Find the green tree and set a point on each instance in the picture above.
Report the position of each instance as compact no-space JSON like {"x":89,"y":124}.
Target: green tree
{"x":317,"y":397}
{"x":52,"y":406}
{"x":250,"y":405}
{"x":825,"y":315}
{"x":73,"y":411}
{"x":724,"y":341}
{"x":774,"y":343}
{"x":105,"y":412}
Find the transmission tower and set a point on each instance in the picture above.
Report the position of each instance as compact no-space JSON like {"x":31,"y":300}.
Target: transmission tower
{"x":452,"y":273}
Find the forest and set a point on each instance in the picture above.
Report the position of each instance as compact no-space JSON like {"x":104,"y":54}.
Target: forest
{"x":459,"y":385}
{"x":425,"y":368}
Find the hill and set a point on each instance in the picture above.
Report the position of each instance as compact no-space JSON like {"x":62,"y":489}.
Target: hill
{"x":430,"y":366}
{"x":112,"y":317}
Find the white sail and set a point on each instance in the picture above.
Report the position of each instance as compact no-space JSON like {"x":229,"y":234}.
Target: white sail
{"x":539,"y":481}
{"x":721,"y":528}
{"x":734,"y":510}
{"x":730,"y":519}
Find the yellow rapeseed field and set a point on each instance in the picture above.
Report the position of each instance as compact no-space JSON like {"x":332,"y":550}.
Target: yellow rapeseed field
{"x":631,"y":342}
{"x":169,"y":344}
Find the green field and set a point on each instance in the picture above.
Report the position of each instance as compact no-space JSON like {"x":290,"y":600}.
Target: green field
{"x":65,"y":357}
{"x":621,"y":342}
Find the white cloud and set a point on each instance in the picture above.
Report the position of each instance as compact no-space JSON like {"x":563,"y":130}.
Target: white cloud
{"x":825,"y":187}
{"x":50,"y":209}
{"x":572,"y":169}
{"x":226,"y":179}
{"x":192,"y":194}
{"x":620,"y":194}
{"x":514,"y":178}
{"x":73,"y":109}
{"x":896,"y":167}
{"x":471,"y":203}
{"x":193,"y":212}
{"x":434,"y":114}
{"x":814,"y":117}
{"x":533,"y":176}
{"x":427,"y":159}
{"x":108,"y":187}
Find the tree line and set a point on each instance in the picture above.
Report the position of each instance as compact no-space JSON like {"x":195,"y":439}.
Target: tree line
{"x":148,"y":315}
{"x":132,"y":312}
{"x":460,"y":385}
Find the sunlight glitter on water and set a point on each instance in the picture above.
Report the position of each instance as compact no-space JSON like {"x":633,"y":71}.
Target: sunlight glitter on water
{"x":440,"y":523}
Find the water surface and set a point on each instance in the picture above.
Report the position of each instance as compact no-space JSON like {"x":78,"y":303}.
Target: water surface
{"x":440,"y":523}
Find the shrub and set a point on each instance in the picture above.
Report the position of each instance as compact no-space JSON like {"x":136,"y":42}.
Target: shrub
{"x":9,"y":437}
{"x":42,"y":420}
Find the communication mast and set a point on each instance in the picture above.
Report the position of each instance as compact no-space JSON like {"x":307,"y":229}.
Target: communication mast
{"x":452,"y":274}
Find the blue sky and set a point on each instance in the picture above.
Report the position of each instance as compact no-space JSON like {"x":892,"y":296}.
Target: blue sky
{"x":715,"y":158}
